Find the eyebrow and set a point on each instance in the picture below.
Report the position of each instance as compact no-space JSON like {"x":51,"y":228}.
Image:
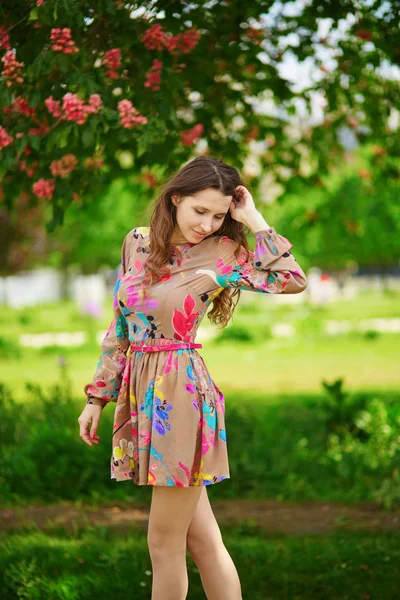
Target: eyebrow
{"x":207,"y":210}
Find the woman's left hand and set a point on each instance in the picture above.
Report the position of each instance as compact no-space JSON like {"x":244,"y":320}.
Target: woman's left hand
{"x":245,"y":207}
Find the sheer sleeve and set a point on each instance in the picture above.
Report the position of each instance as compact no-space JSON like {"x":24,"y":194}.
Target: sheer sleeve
{"x":104,"y":387}
{"x":270,"y":269}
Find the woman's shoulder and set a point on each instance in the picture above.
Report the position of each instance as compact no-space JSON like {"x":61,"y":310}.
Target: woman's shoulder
{"x":141,"y":230}
{"x":136,"y":234}
{"x":135,"y":242}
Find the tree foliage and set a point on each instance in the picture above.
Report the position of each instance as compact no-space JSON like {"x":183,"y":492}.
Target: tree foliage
{"x":89,"y":88}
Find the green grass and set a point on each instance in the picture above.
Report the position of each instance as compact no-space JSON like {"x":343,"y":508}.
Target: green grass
{"x":277,"y":440}
{"x":268,"y":365}
{"x":64,"y":315}
{"x":276,"y":366}
{"x":95,"y":563}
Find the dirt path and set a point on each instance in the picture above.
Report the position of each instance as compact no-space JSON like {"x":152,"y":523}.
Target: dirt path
{"x":269,"y":516}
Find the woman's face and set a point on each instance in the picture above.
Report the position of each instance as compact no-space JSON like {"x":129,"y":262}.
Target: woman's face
{"x":202,"y":212}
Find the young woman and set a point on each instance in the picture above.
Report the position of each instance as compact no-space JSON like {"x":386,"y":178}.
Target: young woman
{"x":169,"y":427}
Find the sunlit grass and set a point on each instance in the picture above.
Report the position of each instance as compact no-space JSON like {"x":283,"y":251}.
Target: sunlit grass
{"x":271,"y":365}
{"x":278,"y":365}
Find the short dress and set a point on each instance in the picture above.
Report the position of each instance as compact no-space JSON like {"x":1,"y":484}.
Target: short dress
{"x":169,"y":420}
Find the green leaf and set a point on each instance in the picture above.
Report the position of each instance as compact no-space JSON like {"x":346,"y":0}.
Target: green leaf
{"x":35,"y":99}
{"x":141,"y":146}
{"x":5,"y":97}
{"x":57,"y":218}
{"x":64,"y":62}
{"x":88,"y":137}
{"x":63,"y":136}
{"x":21,"y":143}
{"x":9,"y":161}
{"x":33,"y":15}
{"x":34,"y":141}
{"x":50,"y":144}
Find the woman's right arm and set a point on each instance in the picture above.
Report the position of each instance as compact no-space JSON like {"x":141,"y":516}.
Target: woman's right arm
{"x":105,"y":383}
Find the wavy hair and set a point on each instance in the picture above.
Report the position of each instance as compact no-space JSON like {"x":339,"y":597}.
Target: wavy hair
{"x":198,"y":174}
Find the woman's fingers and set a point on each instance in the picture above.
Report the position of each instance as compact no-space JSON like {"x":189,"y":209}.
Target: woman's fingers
{"x":87,"y":433}
{"x":94,"y":437}
{"x":84,"y":433}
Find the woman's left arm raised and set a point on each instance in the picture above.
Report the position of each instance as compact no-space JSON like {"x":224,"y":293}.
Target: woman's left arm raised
{"x":271,"y":268}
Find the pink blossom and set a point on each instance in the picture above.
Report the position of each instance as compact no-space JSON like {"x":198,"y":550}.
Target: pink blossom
{"x":153,"y":77}
{"x":129,"y":115}
{"x":95,"y":102}
{"x":183,"y":42}
{"x":30,"y":170}
{"x":64,"y":166}
{"x":154,"y":37}
{"x":20,"y":105}
{"x":53,"y":106}
{"x":41,"y":130}
{"x":112,"y":62}
{"x":189,"y":136}
{"x":12,"y":68}
{"x":94,"y":162}
{"x":43,"y":188}
{"x":171,"y":43}
{"x":188,"y":40}
{"x":4,"y":38}
{"x":5,"y":139}
{"x":39,"y":3}
{"x":73,"y":108}
{"x":62,"y":41}
{"x":150,"y":179}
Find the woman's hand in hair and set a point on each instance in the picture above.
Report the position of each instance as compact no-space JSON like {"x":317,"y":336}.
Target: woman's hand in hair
{"x":244,"y":207}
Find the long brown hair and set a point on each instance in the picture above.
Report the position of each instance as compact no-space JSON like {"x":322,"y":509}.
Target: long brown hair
{"x":198,"y":174}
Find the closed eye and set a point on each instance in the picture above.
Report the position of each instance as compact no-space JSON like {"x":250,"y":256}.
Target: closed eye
{"x":201,"y":213}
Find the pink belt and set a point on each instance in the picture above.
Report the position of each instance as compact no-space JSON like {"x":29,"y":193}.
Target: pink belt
{"x":142,"y":347}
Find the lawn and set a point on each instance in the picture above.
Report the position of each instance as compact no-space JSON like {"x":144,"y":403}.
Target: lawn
{"x":279,"y":430}
{"x":266,"y":364}
{"x":95,"y":563}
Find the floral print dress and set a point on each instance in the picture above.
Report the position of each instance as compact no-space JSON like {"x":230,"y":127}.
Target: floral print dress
{"x":169,"y":420}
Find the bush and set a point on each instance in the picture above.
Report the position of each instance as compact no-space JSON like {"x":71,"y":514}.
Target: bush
{"x":296,"y":449}
{"x":9,"y":349}
{"x":236,"y":333}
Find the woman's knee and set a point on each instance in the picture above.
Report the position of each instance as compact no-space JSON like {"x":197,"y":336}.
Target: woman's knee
{"x":204,"y":549}
{"x":163,"y":547}
{"x":204,"y":536}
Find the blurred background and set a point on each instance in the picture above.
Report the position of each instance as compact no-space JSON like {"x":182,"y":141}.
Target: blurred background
{"x":99,"y":104}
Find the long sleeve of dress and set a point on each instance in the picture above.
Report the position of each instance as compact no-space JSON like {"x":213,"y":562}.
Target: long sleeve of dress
{"x":270,"y":269}
{"x":104,"y":386}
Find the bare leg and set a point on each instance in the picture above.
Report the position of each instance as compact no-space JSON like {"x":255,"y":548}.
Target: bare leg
{"x":204,"y":542}
{"x":171,"y":510}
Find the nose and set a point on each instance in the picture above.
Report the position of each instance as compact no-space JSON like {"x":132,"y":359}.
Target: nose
{"x":205,"y":228}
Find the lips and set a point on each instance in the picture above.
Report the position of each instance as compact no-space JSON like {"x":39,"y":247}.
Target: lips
{"x":199,"y":234}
